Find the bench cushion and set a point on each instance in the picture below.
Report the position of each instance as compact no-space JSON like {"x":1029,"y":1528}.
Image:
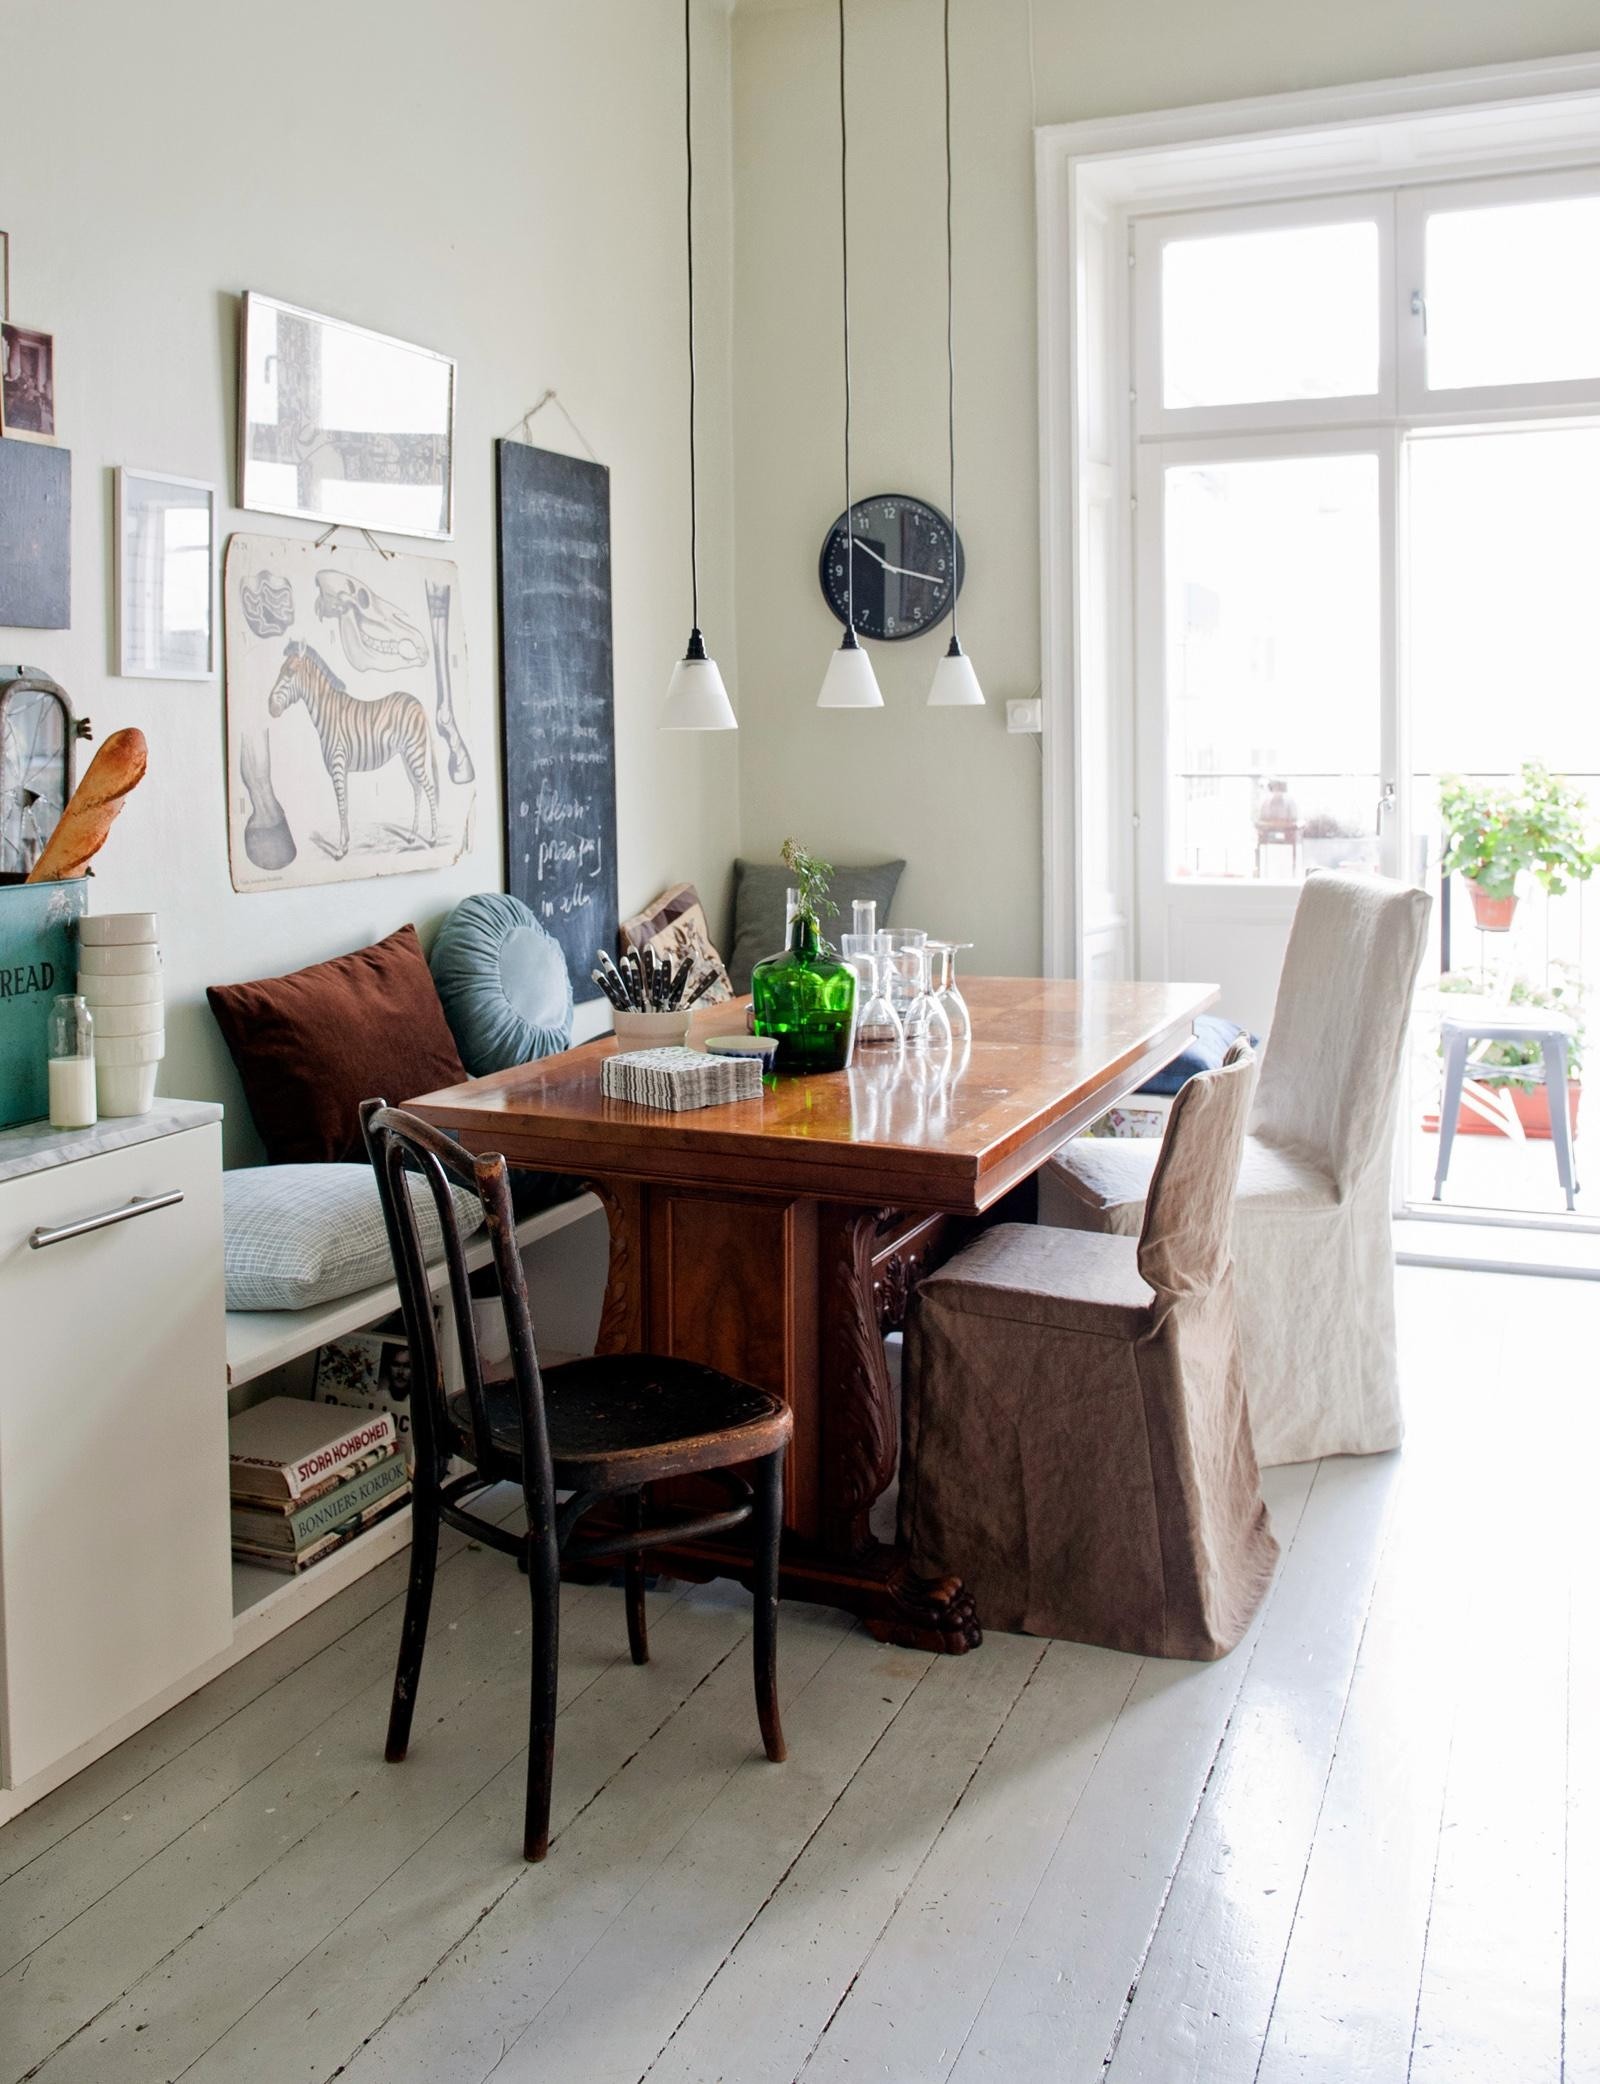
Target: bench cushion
{"x":294,"y":1236}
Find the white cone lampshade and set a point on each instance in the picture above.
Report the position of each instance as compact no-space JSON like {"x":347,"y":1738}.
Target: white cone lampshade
{"x":696,"y":697}
{"x":850,"y":682}
{"x":955,"y":683}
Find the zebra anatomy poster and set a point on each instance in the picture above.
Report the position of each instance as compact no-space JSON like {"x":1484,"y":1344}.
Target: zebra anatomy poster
{"x":347,"y":710}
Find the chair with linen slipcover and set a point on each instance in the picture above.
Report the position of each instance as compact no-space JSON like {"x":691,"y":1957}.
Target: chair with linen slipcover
{"x":1077,"y":1445}
{"x":1313,"y":1246}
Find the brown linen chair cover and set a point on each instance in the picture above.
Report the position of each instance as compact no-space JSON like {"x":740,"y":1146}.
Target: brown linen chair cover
{"x":1077,"y":1443}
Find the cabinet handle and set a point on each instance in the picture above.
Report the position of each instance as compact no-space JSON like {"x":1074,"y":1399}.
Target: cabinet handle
{"x":137,"y":1207}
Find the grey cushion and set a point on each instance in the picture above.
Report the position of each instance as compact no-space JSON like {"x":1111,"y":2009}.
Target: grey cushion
{"x":297,"y":1235}
{"x":758,"y":891}
{"x":503,"y":983}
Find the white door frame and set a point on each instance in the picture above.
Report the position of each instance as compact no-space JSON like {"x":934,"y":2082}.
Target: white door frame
{"x":1441,"y":127}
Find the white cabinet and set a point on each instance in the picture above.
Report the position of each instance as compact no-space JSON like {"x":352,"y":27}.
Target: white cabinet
{"x":114,"y":1564}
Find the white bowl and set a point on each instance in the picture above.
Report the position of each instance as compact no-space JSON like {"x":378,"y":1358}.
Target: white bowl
{"x":650,"y":1030}
{"x":140,"y":958}
{"x":131,"y":1049}
{"x":127,"y":1020}
{"x":142,"y":989}
{"x":125,"y":1088}
{"x":116,"y":929}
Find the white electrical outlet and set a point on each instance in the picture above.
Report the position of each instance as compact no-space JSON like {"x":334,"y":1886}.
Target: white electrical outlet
{"x":1025,"y":716}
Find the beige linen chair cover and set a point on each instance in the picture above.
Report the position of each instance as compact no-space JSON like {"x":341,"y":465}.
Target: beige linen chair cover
{"x":1077,"y":1446}
{"x":1313,"y":1249}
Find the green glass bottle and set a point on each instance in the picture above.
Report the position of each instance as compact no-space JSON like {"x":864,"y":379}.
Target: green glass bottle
{"x":806,"y":997}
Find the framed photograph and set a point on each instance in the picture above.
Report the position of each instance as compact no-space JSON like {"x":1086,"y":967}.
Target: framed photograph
{"x":343,"y":425}
{"x":5,"y":275}
{"x":166,"y":577}
{"x":27,"y":384}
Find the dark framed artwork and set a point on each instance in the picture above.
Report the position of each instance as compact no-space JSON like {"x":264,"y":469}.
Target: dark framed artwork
{"x":556,"y":717}
{"x":35,"y":536}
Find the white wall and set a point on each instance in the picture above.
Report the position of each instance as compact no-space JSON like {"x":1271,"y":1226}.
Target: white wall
{"x":948,"y":789}
{"x":500,"y":179}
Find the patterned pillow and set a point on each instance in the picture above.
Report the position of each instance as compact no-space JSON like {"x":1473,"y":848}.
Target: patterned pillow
{"x":296,"y":1235}
{"x":675,"y":926}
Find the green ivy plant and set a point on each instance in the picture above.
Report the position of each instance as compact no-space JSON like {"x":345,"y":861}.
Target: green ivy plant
{"x":812,"y":876}
{"x":1538,"y":823}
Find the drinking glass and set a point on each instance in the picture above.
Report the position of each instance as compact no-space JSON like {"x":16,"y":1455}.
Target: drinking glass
{"x":942,"y":982}
{"x":878,"y":1025}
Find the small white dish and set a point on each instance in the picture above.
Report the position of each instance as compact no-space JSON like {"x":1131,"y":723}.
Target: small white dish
{"x":122,"y":1089}
{"x":143,"y":989}
{"x":138,"y":959}
{"x":116,"y":929}
{"x":110,"y":1021}
{"x":131,"y":1049}
{"x":651,"y":1030}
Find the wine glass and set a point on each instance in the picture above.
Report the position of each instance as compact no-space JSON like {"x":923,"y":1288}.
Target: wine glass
{"x":923,"y":1018}
{"x":942,"y":982}
{"x":878,"y":1025}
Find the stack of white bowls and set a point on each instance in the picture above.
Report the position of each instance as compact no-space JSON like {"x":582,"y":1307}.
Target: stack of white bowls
{"x":119,"y":973}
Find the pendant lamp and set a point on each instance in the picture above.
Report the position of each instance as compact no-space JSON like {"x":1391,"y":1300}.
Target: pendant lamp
{"x":849,"y":682}
{"x":696,"y":697}
{"x":955,"y":684}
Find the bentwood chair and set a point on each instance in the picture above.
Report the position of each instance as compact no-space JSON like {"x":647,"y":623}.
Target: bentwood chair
{"x":600,"y":1430}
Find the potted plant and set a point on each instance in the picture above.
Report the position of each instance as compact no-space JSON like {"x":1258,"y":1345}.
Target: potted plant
{"x":806,"y":996}
{"x":1496,"y":832}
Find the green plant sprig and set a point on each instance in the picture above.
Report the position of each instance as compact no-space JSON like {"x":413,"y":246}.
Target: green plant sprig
{"x":812,"y":876}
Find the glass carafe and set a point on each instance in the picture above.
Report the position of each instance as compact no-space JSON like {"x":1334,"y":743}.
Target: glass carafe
{"x":71,"y":1064}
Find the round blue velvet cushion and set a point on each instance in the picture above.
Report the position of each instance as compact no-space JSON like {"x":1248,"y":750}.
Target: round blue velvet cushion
{"x":503,"y":983}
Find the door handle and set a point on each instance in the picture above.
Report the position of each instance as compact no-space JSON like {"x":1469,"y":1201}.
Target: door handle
{"x":140,"y":1206}
{"x":1385,"y":801}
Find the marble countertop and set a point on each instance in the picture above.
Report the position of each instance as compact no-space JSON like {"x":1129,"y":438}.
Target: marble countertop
{"x":35,"y":1146}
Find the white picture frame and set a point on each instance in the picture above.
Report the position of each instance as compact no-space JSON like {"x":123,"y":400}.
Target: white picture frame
{"x":166,"y":576}
{"x":338,"y":424}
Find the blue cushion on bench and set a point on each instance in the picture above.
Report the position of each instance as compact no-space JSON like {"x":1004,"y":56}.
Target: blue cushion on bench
{"x":1212,"y":1035}
{"x":503,"y":983}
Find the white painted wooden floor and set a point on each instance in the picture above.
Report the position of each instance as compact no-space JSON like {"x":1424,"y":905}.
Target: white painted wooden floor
{"x":1364,"y":1848}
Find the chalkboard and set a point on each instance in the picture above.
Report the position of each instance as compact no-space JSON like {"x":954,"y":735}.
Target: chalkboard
{"x":35,"y":536}
{"x":557,"y":720}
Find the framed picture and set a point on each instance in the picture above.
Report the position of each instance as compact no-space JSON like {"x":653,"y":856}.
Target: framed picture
{"x":5,"y":275}
{"x":27,"y":384}
{"x":339,"y":424}
{"x":166,"y":577}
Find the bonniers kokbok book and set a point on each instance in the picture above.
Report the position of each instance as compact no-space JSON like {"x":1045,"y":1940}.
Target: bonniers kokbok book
{"x":286,"y":1447}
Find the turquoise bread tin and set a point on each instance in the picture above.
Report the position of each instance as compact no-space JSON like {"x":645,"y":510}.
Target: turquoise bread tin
{"x":38,"y":961}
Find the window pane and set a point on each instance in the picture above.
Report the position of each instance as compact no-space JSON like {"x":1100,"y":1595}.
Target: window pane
{"x":1256,"y":316}
{"x":1513,"y":294}
{"x":1274,"y":702}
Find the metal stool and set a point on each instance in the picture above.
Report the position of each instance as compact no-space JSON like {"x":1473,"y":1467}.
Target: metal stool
{"x":1553,"y":1032}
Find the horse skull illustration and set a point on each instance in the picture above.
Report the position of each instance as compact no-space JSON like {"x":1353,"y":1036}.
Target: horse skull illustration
{"x":374,"y":633}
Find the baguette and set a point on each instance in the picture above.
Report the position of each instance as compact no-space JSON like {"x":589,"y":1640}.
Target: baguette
{"x":115,"y":769}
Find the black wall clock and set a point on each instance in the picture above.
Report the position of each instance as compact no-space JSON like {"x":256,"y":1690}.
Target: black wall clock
{"x":909,"y":566}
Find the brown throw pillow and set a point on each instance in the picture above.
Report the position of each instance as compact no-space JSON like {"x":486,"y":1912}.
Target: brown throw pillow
{"x":310,"y":1047}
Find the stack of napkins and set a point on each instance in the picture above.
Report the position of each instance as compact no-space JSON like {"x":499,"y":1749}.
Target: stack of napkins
{"x":679,"y":1079}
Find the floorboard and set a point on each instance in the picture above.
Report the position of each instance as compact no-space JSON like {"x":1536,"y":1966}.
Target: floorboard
{"x":1364,"y":1849}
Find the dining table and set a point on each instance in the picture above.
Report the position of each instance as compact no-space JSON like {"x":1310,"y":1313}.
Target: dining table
{"x":781,"y":1238}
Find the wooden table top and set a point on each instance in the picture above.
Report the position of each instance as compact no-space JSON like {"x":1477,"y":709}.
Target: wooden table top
{"x":950,"y":1131}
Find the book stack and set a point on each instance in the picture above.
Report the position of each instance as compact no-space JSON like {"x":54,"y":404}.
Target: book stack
{"x":306,"y":1478}
{"x":679,"y":1079}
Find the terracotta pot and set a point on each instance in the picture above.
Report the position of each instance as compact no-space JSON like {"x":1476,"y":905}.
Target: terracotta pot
{"x":1492,"y":914}
{"x":1532,"y":1105}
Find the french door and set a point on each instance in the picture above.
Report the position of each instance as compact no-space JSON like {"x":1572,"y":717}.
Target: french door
{"x":1268,"y":715}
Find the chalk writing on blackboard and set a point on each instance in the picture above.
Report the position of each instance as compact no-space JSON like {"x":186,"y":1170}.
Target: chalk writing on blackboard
{"x":557,"y":717}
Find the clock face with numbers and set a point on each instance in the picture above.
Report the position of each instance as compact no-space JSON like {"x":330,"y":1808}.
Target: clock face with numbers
{"x":909,"y":566}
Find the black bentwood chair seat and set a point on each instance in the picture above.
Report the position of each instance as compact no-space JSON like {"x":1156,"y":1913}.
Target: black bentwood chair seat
{"x":601,"y":1429}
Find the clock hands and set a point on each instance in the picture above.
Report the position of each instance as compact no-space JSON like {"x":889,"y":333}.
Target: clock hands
{"x":899,"y":570}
